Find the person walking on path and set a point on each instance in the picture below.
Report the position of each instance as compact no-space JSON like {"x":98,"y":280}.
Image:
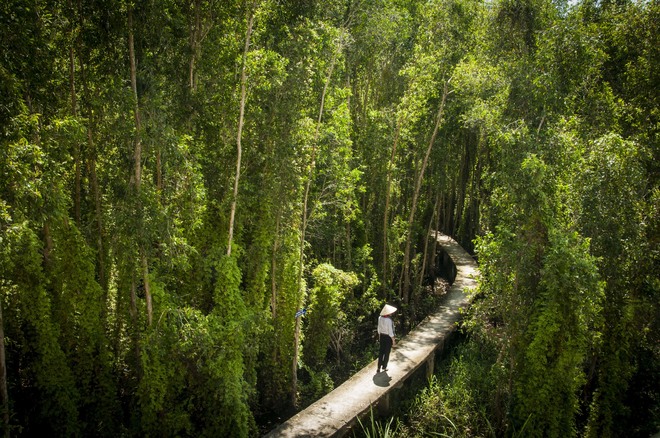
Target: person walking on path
{"x":385,"y":336}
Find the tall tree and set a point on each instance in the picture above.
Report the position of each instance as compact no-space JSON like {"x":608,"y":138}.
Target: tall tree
{"x":137,"y":162}
{"x":241,"y":114}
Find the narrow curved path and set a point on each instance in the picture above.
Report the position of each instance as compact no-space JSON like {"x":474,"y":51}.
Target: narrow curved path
{"x":334,"y":414}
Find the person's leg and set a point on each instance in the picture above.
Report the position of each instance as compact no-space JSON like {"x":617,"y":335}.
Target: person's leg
{"x":386,"y":342}
{"x":382,"y":339}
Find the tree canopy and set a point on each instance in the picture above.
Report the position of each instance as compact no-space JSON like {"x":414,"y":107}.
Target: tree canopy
{"x":204,"y":204}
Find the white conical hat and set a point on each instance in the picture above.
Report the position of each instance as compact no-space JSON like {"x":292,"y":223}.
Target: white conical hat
{"x":387,"y":310}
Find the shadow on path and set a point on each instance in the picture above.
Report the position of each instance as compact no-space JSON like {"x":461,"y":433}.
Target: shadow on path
{"x":382,"y":379}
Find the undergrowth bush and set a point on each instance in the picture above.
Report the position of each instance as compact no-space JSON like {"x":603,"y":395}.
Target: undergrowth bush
{"x":460,"y":396}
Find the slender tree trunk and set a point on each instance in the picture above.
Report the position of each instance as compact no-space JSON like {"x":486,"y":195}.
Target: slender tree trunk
{"x":273,"y":289}
{"x":449,"y":211}
{"x":294,"y":364}
{"x":96,"y":193}
{"x":425,"y":257}
{"x":48,"y":242}
{"x":74,"y":112}
{"x":404,"y":281}
{"x":365,"y":101}
{"x":119,"y":323}
{"x":476,"y":187}
{"x":91,"y":168}
{"x":273,"y":269}
{"x":147,"y":289}
{"x":388,"y":191}
{"x":133,"y":308}
{"x":462,"y":188}
{"x":137,"y":157}
{"x":194,"y":45}
{"x":349,"y":253}
{"x":77,"y":183}
{"x":137,"y":151}
{"x":159,"y":171}
{"x":436,"y":230}
{"x":241,"y":116}
{"x":405,"y":295}
{"x":4,"y":393}
{"x":72,"y":80}
{"x":135,"y":334}
{"x":464,"y":177}
{"x":97,"y":211}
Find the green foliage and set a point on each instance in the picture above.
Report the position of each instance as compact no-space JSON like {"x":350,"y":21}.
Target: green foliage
{"x":545,"y":300}
{"x":485,"y":88}
{"x":193,"y":377}
{"x":275,"y":368}
{"x":332,"y":287}
{"x":561,"y":328}
{"x":315,"y":386}
{"x":79,"y":306}
{"x":377,"y":428}
{"x":46,"y":395}
{"x":546,"y":153}
{"x":612,"y":192}
{"x":453,"y":402}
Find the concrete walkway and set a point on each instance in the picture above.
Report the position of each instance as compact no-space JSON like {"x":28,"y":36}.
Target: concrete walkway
{"x":335,"y":414}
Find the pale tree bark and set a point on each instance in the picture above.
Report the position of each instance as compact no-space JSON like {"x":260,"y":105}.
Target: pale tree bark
{"x":137,"y":157}
{"x":405,"y":292}
{"x":239,"y":135}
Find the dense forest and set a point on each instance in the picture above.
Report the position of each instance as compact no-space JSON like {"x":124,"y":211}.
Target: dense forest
{"x":178,"y":178}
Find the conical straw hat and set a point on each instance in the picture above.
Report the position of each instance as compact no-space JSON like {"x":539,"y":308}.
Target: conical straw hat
{"x":387,"y":310}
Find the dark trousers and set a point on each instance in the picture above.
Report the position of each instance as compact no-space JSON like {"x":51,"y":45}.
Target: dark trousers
{"x":384,"y":351}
